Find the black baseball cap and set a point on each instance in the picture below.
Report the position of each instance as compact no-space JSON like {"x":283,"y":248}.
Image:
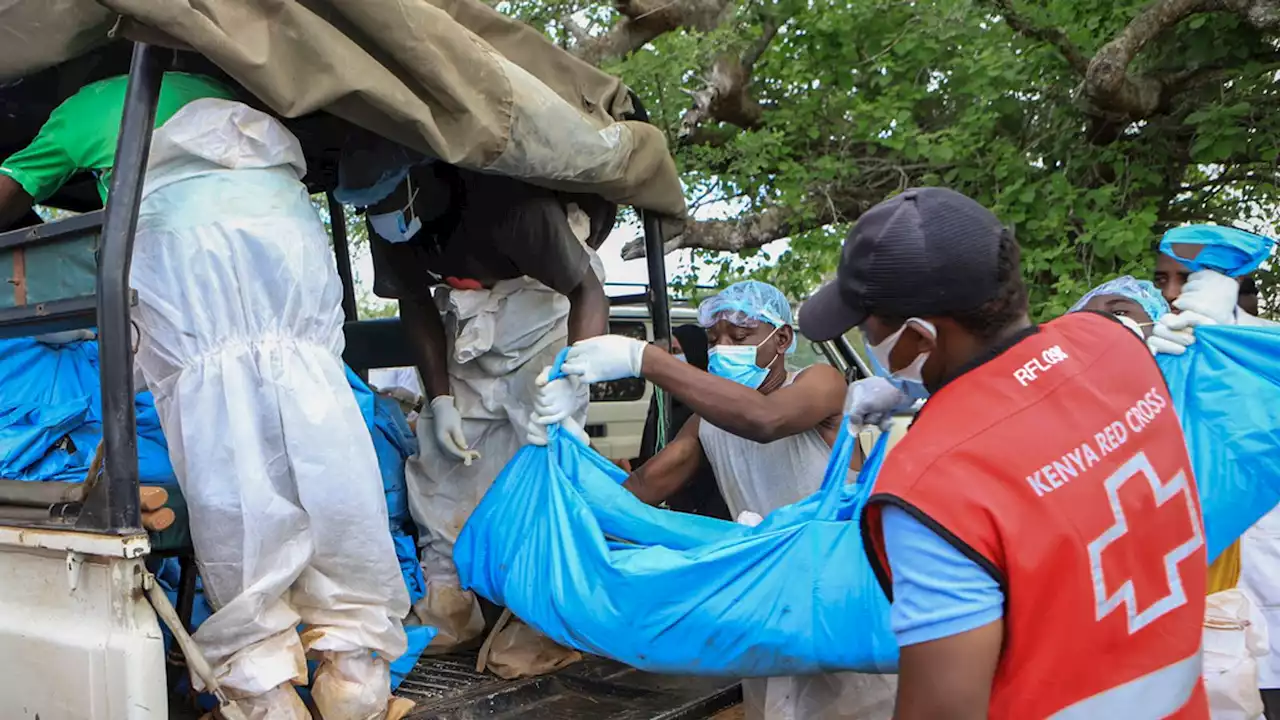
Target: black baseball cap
{"x":926,"y":252}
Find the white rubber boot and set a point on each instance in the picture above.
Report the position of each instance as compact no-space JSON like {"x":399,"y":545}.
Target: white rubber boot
{"x":352,"y":686}
{"x":281,"y":703}
{"x":454,"y":613}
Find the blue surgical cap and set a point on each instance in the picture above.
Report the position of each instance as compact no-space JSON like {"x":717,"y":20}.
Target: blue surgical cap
{"x":1139,"y":291}
{"x":1228,"y":250}
{"x":367,"y":175}
{"x":747,"y":304}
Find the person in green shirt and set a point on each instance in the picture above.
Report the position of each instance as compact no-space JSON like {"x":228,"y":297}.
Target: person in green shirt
{"x":240,"y":333}
{"x":81,"y":135}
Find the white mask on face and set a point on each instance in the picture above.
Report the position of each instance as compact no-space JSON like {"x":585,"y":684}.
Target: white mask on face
{"x":884,"y":349}
{"x":393,"y":226}
{"x":1132,"y":324}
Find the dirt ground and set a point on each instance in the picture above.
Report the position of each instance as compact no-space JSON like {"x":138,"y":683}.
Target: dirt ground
{"x":733,"y":713}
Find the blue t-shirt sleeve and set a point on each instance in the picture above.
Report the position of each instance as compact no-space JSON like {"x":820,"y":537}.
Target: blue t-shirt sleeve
{"x":937,"y":591}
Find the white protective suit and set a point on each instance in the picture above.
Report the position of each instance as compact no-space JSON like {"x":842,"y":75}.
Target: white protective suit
{"x":1235,"y":637}
{"x":241,"y":334}
{"x":1260,"y":564}
{"x":500,"y":339}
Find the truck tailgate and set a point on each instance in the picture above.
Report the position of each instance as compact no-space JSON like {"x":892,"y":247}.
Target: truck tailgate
{"x":448,"y":688}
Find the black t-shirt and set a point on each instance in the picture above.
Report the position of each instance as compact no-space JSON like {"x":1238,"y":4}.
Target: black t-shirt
{"x":484,"y":228}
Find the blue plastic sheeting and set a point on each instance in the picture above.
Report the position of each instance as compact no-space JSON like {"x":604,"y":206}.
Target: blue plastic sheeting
{"x":58,"y":380}
{"x":1225,"y":249}
{"x":51,"y":393}
{"x":561,"y":543}
{"x":419,"y":637}
{"x":394,"y":443}
{"x":1226,"y":389}
{"x":30,"y":432}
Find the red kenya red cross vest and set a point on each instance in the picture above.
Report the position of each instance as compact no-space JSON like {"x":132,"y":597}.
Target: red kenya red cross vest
{"x":1060,"y":468}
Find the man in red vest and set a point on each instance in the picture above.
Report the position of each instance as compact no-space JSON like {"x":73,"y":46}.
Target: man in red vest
{"x":1038,"y":530}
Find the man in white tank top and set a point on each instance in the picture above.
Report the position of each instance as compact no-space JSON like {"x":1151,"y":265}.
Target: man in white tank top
{"x":767,"y":435}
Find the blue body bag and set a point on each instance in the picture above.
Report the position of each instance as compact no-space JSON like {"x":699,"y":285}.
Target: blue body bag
{"x":1226,"y":389}
{"x":51,"y":414}
{"x":561,"y":543}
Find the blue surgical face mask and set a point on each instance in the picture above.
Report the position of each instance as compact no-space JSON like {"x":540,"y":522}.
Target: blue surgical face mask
{"x":738,"y":363}
{"x":913,"y":387}
{"x":399,"y":226}
{"x":681,"y":357}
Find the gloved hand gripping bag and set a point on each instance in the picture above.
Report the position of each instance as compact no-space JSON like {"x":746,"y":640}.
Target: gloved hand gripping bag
{"x":561,"y":543}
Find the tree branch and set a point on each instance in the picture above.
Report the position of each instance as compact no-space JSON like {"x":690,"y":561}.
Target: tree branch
{"x":579,"y":34}
{"x":645,"y":20}
{"x":726,"y":95}
{"x":1109,"y":87}
{"x":1261,"y":14}
{"x":876,"y":179}
{"x":1112,"y":94}
{"x":734,"y":235}
{"x":1053,"y":36}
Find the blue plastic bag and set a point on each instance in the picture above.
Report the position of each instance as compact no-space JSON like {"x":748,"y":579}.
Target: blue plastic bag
{"x":393,"y":442}
{"x":1226,"y":389}
{"x":66,"y":376}
{"x":566,"y":548}
{"x":30,"y":435}
{"x":419,"y":637}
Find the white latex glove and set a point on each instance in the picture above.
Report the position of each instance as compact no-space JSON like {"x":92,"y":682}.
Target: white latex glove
{"x":605,"y":358}
{"x":873,"y":401}
{"x":1211,"y":294}
{"x":1173,"y":333}
{"x":448,"y":429}
{"x":557,"y":400}
{"x":537,"y":434}
{"x":748,"y":518}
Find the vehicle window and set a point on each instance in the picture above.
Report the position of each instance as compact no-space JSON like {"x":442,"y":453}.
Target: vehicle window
{"x":807,"y":353}
{"x":630,"y":389}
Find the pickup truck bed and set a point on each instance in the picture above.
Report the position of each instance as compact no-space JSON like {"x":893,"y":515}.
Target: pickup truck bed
{"x":448,"y":688}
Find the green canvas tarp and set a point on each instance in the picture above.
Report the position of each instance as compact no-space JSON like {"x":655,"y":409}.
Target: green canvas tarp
{"x":451,"y":78}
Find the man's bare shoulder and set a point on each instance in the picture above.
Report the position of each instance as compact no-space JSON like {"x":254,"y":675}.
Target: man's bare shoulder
{"x":821,"y":375}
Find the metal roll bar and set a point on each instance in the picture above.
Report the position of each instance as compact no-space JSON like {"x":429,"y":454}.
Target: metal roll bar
{"x":113,"y":504}
{"x":342,"y":253}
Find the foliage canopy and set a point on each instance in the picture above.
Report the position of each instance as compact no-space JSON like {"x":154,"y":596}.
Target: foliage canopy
{"x":1090,"y":126}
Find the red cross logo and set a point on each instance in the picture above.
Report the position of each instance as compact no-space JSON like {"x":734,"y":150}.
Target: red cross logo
{"x":1137,"y":535}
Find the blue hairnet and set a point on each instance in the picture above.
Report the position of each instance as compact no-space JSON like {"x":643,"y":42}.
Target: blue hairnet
{"x":1228,"y":250}
{"x":1139,"y":291}
{"x":747,"y":304}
